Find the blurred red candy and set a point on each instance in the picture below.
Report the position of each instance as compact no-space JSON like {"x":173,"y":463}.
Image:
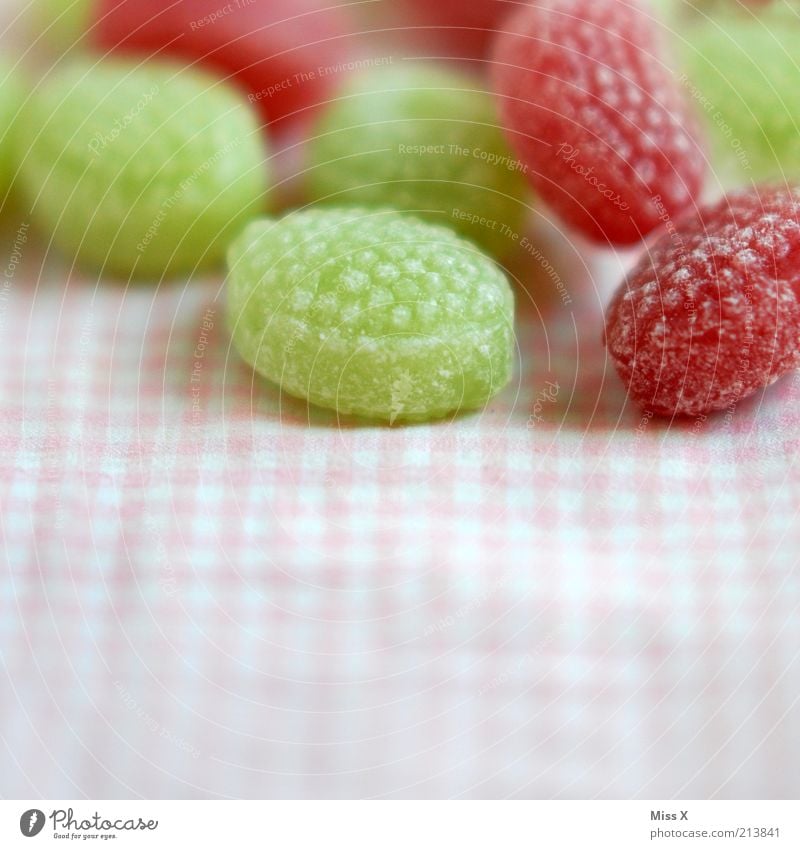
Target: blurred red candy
{"x":286,"y":54}
{"x":591,"y":107}
{"x":460,"y":28}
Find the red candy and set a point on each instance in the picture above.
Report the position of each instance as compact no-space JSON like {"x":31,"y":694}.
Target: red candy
{"x":461,"y":28}
{"x":591,"y":108}
{"x":712,"y":313}
{"x":273,"y":48}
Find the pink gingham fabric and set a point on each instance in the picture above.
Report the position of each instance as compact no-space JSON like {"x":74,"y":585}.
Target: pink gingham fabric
{"x":212,"y":590}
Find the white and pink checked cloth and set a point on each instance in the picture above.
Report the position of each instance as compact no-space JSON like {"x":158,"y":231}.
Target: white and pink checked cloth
{"x":210,"y":590}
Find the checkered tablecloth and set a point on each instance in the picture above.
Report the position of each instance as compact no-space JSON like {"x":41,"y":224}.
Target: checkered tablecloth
{"x":210,"y":590}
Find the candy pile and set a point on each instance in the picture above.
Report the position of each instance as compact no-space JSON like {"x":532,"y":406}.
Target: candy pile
{"x":157,"y":139}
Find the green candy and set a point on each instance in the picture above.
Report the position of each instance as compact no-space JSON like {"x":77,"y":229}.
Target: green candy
{"x":63,"y":23}
{"x":12,"y":95}
{"x":744,"y":73}
{"x":424,"y":140}
{"x":371,"y":312}
{"x":140,"y":170}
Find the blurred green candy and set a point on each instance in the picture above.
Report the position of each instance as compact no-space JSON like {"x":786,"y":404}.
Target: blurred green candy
{"x":141,"y":170}
{"x":62,"y":23}
{"x":12,"y":95}
{"x":424,"y":140}
{"x":371,"y":312}
{"x":744,"y":73}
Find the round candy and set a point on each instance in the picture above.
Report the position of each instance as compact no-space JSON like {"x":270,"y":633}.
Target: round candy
{"x":425,"y":140}
{"x":286,"y":54}
{"x":592,"y":109}
{"x":371,"y":312}
{"x":712,"y":313}
{"x":744,"y":72}
{"x":140,"y":170}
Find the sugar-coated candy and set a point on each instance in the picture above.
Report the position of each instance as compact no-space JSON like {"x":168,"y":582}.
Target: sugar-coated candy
{"x":286,"y":54}
{"x":744,"y":72}
{"x":422,"y":139}
{"x":371,"y":312}
{"x":140,"y":170}
{"x":590,"y":106}
{"x":712,"y":313}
